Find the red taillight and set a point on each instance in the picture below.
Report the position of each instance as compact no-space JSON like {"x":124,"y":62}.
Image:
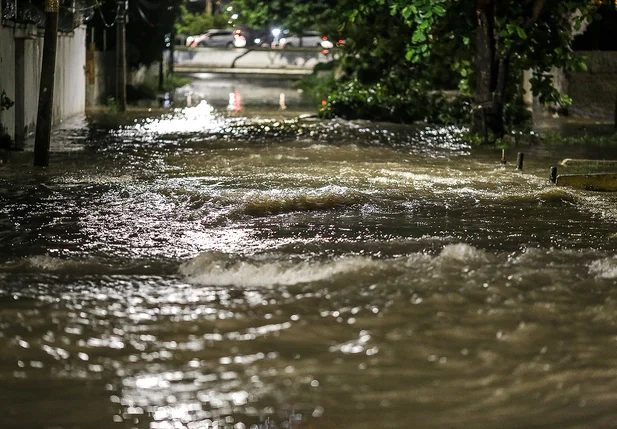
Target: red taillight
{"x":324,"y":38}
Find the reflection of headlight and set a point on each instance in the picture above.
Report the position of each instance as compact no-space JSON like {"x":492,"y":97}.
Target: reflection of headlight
{"x":283,"y":41}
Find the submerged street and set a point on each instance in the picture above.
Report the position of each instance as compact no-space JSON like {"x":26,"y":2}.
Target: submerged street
{"x":233,"y":264}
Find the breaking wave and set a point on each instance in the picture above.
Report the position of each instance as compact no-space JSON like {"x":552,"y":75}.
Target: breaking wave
{"x":221,"y":269}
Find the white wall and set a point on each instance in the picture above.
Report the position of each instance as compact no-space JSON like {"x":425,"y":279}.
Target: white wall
{"x":69,"y":86}
{"x":70,"y":79}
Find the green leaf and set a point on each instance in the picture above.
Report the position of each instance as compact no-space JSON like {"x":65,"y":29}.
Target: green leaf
{"x":406,"y":12}
{"x":418,"y":37}
{"x":521,"y":33}
{"x":439,"y":10}
{"x":353,"y":15}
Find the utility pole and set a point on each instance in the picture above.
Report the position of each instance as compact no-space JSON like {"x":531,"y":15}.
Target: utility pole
{"x":162,"y":70}
{"x":121,"y":56}
{"x":170,"y":68}
{"x":46,"y":90}
{"x":209,"y":7}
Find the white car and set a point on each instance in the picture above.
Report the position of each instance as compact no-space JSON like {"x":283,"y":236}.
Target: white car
{"x":308,"y":39}
{"x":217,"y":39}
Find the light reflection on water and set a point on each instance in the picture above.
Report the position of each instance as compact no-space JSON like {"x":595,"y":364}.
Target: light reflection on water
{"x":201,"y":269}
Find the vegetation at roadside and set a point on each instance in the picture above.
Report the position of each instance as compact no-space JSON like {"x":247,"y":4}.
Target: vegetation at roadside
{"x":400,"y":56}
{"x":197,"y":23}
{"x":599,"y":136}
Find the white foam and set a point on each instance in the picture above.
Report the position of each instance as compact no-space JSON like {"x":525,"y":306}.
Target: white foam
{"x":604,"y":268}
{"x":47,"y":263}
{"x":220,"y":269}
{"x":462,"y":252}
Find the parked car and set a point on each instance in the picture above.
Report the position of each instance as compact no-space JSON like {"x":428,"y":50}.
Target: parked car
{"x":254,"y":37}
{"x":215,"y":39}
{"x":308,"y":39}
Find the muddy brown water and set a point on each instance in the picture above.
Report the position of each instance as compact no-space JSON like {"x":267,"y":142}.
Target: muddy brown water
{"x":215,"y":268}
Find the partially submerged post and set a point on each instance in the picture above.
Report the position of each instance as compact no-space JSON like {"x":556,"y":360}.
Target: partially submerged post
{"x":553,"y":175}
{"x":46,"y":89}
{"x":519,"y":161}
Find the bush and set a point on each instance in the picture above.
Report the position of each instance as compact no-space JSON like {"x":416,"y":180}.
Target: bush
{"x":389,"y":100}
{"x":198,"y":23}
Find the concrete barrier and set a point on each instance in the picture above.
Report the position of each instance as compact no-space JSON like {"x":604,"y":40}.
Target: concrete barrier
{"x":257,"y":60}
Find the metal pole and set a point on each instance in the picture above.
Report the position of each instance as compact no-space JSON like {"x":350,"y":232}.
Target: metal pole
{"x":46,"y":90}
{"x":519,"y":161}
{"x":172,"y":50}
{"x":161,"y":71}
{"x":121,"y":56}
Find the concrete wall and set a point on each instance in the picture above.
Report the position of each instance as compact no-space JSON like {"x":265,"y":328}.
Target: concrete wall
{"x":101,"y":76}
{"x":594,"y":91}
{"x":70,"y":82}
{"x":204,"y":58}
{"x":21,"y":51}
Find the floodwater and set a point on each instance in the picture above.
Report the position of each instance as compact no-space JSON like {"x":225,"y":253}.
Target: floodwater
{"x":225,"y":266}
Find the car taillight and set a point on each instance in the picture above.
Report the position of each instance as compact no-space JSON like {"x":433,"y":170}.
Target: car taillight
{"x":324,"y":38}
